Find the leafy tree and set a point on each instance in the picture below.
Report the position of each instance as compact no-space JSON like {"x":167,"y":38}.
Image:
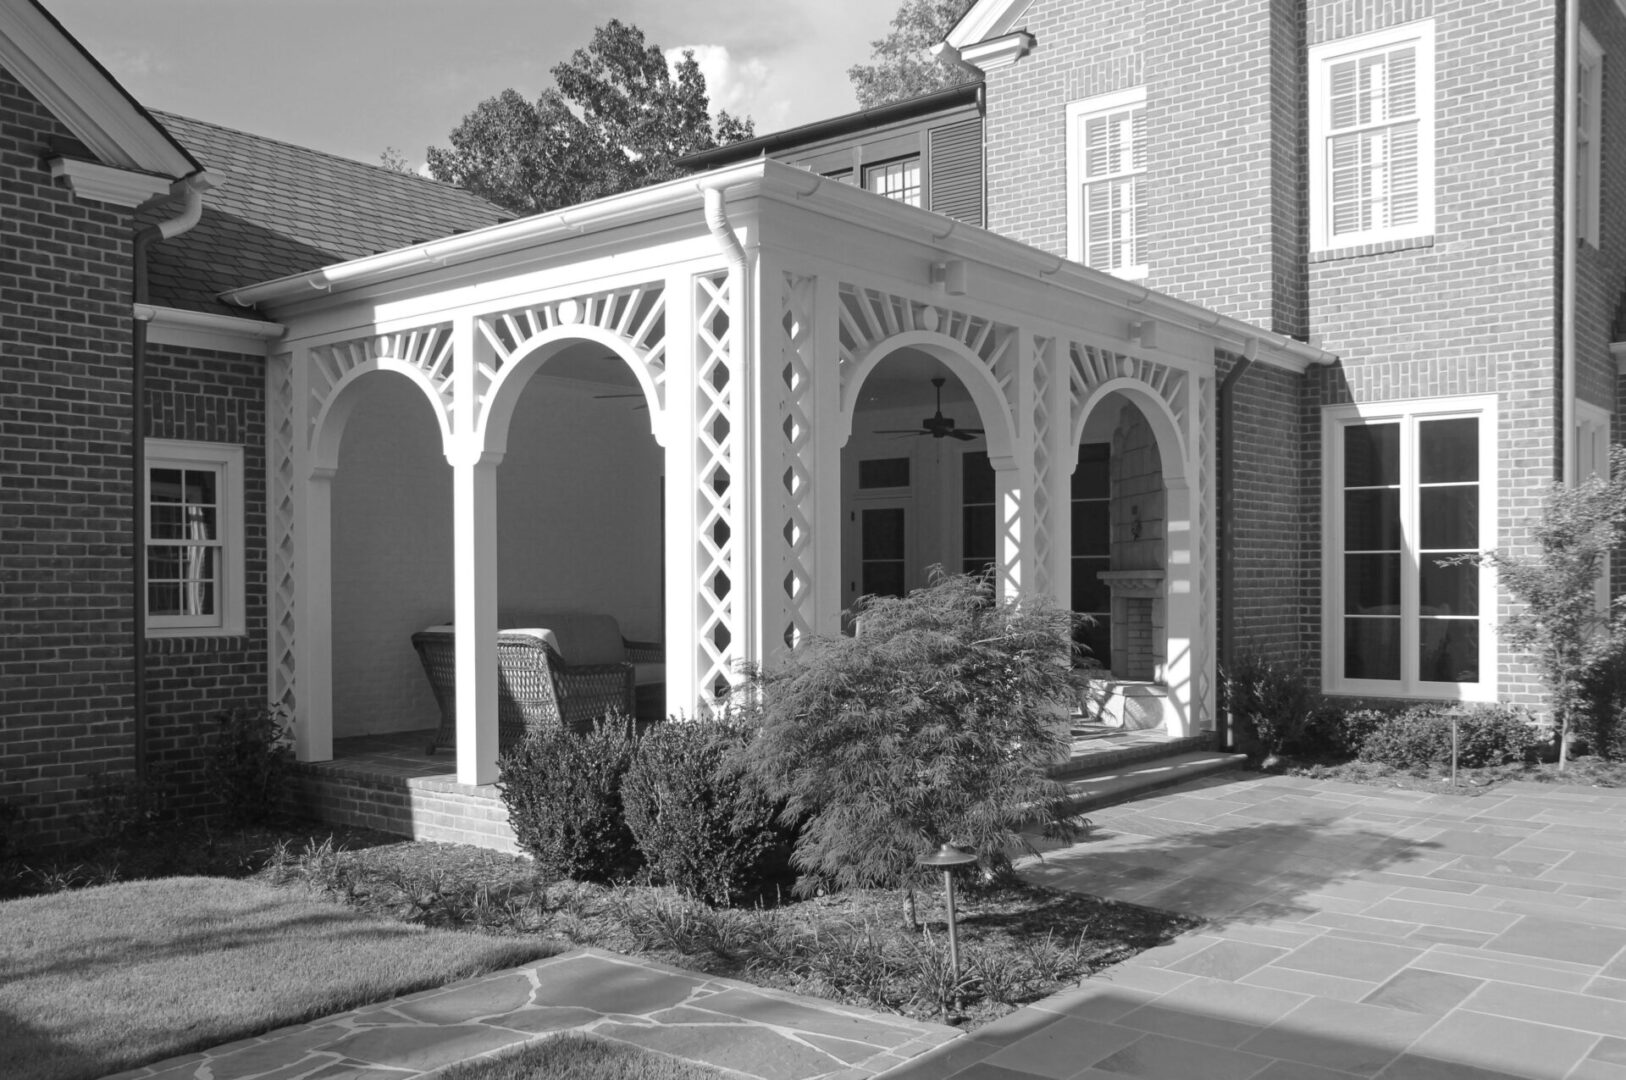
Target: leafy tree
{"x":1559,"y":622}
{"x":617,"y":118}
{"x":904,"y":66}
{"x":395,"y":161}
{"x":934,"y":725}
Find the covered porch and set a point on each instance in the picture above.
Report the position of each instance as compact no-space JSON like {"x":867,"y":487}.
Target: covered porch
{"x":665,"y":407}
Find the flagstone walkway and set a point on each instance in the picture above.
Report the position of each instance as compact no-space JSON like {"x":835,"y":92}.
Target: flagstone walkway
{"x":753,"y":1032}
{"x":1355,"y":932}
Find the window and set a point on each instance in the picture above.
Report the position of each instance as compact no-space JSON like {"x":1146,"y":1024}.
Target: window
{"x":898,"y":180}
{"x":1092,"y":548}
{"x":194,"y":517}
{"x":1409,"y":488}
{"x":978,"y":497}
{"x":1372,"y":138}
{"x":1106,"y":182}
{"x":1588,"y":148}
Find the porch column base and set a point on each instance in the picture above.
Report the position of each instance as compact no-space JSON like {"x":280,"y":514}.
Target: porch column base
{"x":1134,"y":706}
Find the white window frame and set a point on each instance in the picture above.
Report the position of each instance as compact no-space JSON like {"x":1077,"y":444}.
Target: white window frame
{"x":1591,"y":439}
{"x":901,"y":194}
{"x":1334,"y":419}
{"x":1077,"y":114}
{"x":1588,"y":137}
{"x":226,"y":460}
{"x":1322,"y":59}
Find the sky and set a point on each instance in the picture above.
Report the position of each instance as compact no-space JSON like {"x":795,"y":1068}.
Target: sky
{"x":352,"y":77}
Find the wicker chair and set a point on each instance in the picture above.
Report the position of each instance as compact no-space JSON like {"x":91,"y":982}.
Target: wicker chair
{"x":536,"y":689}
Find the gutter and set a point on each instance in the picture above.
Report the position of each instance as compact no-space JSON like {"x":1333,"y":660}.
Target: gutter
{"x":193,"y":187}
{"x":1227,"y":509}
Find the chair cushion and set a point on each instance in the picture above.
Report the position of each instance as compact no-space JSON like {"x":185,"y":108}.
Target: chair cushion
{"x":579,"y":637}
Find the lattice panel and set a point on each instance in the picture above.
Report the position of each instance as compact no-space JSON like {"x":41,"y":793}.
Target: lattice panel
{"x":1203,"y":515}
{"x":1089,"y":367}
{"x":1042,"y":502}
{"x":282,"y":425}
{"x":636,"y":314}
{"x":717,"y":455}
{"x":797,"y":510}
{"x":427,"y":348}
{"x":869,"y":316}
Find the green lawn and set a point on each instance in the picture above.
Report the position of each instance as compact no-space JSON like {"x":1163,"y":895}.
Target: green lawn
{"x":99,"y":980}
{"x":581,"y":1057}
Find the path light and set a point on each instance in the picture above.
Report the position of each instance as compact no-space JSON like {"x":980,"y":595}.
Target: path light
{"x":948,"y":857}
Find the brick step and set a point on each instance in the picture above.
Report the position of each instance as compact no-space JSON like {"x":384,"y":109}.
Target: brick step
{"x":1116,"y":751}
{"x":1121,"y":783}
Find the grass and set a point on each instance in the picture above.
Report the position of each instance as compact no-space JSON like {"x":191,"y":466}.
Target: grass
{"x":581,"y":1057}
{"x":96,"y":980}
{"x":1581,"y":772}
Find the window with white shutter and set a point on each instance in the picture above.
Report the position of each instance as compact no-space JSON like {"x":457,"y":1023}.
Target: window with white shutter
{"x":1106,"y":181}
{"x":1588,"y":108}
{"x":1372,"y":138}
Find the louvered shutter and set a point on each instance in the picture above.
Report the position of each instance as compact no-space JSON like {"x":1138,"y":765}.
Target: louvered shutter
{"x":955,"y":170}
{"x":1113,"y":202}
{"x":1372,"y":174}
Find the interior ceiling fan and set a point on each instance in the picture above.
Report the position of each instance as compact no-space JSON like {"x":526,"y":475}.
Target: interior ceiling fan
{"x":937,"y":425}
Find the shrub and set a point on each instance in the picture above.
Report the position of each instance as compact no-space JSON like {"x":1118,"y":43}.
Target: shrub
{"x":120,"y":807}
{"x":563,"y":793}
{"x":1420,"y":737}
{"x":250,"y":761}
{"x":1338,"y":727}
{"x":704,"y":823}
{"x":1601,"y":723}
{"x":1270,"y":705}
{"x":10,"y":816}
{"x":935,"y":725}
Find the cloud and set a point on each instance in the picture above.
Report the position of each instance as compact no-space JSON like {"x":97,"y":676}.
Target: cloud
{"x":741,"y":86}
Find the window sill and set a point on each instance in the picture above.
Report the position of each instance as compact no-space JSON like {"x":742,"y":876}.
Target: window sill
{"x":1379,"y":247}
{"x":1467,"y":693}
{"x":174,"y":643}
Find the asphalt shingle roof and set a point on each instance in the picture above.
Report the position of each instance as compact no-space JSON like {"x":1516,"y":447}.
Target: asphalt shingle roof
{"x":285,"y":208}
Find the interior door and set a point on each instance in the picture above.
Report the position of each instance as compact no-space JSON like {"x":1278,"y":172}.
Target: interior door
{"x":881,"y":540}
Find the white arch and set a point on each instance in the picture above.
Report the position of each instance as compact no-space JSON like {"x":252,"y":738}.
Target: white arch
{"x":328,"y":430}
{"x":967,"y":366}
{"x":528,"y":358}
{"x":1165,"y":427}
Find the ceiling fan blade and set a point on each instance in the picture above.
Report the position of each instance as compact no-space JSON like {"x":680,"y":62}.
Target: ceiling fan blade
{"x":963,"y":436}
{"x":898,"y":431}
{"x":974,"y":430}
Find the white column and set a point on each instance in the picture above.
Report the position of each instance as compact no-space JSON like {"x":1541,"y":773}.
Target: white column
{"x":682,"y":690}
{"x":1181,"y":611}
{"x":312,"y":592}
{"x":474,"y":557}
{"x":824,"y":458}
{"x":1014,"y":482}
{"x":1058,"y":439}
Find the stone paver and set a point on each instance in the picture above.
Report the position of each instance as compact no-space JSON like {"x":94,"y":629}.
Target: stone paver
{"x":1353,"y":932}
{"x":754,"y":1032}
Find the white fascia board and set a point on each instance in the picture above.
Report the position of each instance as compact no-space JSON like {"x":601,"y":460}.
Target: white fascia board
{"x":205,"y":330}
{"x":104,"y":183}
{"x":998,"y":52}
{"x":986,"y":19}
{"x":84,"y":97}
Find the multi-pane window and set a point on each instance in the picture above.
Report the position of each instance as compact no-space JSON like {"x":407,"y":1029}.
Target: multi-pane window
{"x":1092,"y":549}
{"x":1410,"y":497}
{"x":898,"y":180}
{"x":978,"y":497}
{"x":1106,"y":172}
{"x":1588,"y":130}
{"x":1372,"y":133}
{"x":194,"y":537}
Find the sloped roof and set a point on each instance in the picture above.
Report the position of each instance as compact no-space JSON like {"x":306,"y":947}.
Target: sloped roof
{"x":283,"y":208}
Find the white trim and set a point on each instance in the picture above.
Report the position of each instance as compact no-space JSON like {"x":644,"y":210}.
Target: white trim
{"x":88,"y":102}
{"x":1588,"y":218}
{"x":1077,"y":112}
{"x":990,"y":18}
{"x":1322,"y":57}
{"x":205,"y":330}
{"x":104,"y":183}
{"x":1592,"y":431}
{"x":998,"y":52}
{"x":231,"y":498}
{"x":1407,"y":413}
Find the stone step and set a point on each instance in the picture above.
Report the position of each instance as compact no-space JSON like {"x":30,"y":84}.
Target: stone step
{"x":1094,"y":755}
{"x":1109,"y":786}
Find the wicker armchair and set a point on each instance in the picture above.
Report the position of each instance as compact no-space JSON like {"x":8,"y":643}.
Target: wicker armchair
{"x":536,"y":689}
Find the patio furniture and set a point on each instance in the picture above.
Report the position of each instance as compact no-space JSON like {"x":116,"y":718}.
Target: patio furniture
{"x":568,"y":668}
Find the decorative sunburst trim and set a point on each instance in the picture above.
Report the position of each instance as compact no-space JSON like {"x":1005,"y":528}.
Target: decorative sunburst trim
{"x":427,"y":348}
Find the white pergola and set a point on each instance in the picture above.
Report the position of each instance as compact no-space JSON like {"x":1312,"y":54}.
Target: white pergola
{"x":750,"y":304}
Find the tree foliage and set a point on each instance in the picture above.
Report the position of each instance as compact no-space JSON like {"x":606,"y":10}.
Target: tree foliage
{"x":934,"y":725}
{"x":904,"y":66}
{"x":1559,"y":621}
{"x":618,"y":117}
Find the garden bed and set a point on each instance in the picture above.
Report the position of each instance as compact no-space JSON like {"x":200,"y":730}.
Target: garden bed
{"x":1580,"y":772}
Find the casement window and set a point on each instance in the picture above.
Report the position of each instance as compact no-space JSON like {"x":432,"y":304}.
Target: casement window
{"x":898,"y":179}
{"x":1409,"y":487}
{"x":194,"y":522}
{"x":1372,"y":138}
{"x":1106,"y":182}
{"x":1588,"y":132}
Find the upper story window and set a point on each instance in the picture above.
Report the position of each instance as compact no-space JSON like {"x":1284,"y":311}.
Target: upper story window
{"x":195,"y":540}
{"x":1588,"y":133}
{"x":1372,"y":137}
{"x":1106,"y":182}
{"x":898,"y":179}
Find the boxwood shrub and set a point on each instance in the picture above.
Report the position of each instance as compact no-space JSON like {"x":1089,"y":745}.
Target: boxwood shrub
{"x":563,"y":791}
{"x":1419,"y":739}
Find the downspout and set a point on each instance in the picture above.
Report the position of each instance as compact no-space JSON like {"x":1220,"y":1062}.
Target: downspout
{"x":1572,"y":51}
{"x":144,"y":239}
{"x":1227,"y":484}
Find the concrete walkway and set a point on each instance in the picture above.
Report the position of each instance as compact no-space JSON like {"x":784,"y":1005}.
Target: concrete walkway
{"x":1355,"y":932}
{"x":753,"y":1032}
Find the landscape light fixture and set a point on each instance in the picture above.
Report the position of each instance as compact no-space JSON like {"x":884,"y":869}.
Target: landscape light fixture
{"x":948,"y":857}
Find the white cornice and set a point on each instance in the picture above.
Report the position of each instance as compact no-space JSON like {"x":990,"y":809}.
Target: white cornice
{"x":998,"y":52}
{"x":986,"y":19}
{"x":203,"y":330}
{"x":85,"y":98}
{"x":103,"y":183}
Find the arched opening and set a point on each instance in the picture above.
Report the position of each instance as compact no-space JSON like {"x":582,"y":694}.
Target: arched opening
{"x":917,"y":486}
{"x":391,"y":553}
{"x":580,"y":517}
